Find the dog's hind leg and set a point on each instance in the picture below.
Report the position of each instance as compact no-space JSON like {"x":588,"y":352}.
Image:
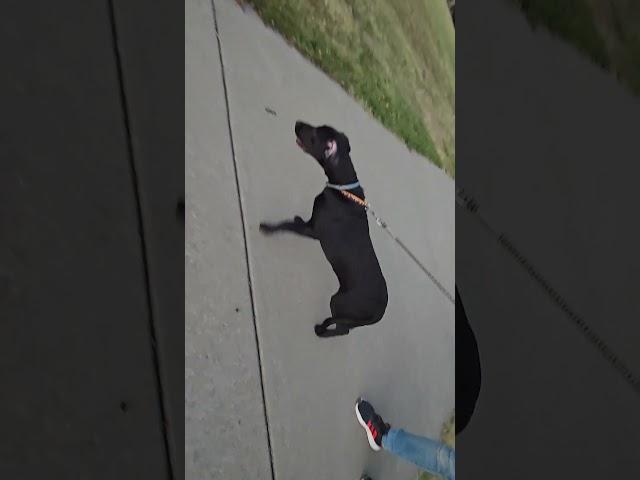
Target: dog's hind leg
{"x":324,"y":330}
{"x":338,"y":303}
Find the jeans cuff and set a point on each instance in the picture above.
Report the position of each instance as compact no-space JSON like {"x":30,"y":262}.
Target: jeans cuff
{"x":388,"y":438}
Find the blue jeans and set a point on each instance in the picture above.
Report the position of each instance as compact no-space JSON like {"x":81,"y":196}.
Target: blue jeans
{"x":430,"y":455}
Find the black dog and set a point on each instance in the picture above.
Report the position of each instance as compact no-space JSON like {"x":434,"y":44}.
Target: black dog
{"x":341,"y":226}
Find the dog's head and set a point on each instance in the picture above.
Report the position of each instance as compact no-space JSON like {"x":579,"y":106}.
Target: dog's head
{"x":329,"y":147}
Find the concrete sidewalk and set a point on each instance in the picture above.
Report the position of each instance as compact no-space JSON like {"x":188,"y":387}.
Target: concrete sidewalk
{"x":265,"y":398}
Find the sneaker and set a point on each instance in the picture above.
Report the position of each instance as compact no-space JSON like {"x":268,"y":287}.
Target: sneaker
{"x":372,"y":423}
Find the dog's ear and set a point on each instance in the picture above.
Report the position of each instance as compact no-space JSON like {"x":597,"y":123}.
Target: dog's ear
{"x":330,"y":149}
{"x":344,"y":141}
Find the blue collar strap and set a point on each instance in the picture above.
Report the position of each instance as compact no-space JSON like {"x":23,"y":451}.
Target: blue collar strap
{"x":349,"y":186}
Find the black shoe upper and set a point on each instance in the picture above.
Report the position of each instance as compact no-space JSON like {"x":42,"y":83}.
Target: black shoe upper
{"x":374,"y":422}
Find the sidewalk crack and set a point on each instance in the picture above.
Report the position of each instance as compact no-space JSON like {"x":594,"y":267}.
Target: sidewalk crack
{"x":244,"y":235}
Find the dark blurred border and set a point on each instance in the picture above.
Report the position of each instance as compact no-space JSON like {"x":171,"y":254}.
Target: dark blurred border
{"x":546,"y":240}
{"x":92,"y":239}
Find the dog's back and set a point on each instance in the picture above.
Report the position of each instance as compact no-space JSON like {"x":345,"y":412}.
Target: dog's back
{"x":343,"y":231}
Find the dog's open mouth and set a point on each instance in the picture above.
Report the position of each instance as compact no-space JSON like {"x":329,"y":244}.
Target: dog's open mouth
{"x":299,"y":142}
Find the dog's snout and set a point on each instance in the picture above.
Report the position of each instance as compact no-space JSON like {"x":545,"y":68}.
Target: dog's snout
{"x":302,"y":128}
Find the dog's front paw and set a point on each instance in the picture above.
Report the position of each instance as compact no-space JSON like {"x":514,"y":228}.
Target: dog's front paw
{"x":297,"y":219}
{"x":320,"y":330}
{"x":266,"y":228}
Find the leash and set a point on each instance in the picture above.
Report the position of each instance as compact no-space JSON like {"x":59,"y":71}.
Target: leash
{"x":468,"y":203}
{"x":343,"y":189}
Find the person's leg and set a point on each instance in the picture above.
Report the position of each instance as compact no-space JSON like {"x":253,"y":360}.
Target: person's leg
{"x":430,"y":455}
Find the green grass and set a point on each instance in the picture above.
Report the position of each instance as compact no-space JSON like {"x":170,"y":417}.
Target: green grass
{"x":447,"y":436}
{"x":605,"y":31}
{"x":397,"y":57}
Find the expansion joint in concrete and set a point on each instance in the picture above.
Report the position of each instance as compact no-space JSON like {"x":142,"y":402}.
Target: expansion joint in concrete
{"x":244,"y":233}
